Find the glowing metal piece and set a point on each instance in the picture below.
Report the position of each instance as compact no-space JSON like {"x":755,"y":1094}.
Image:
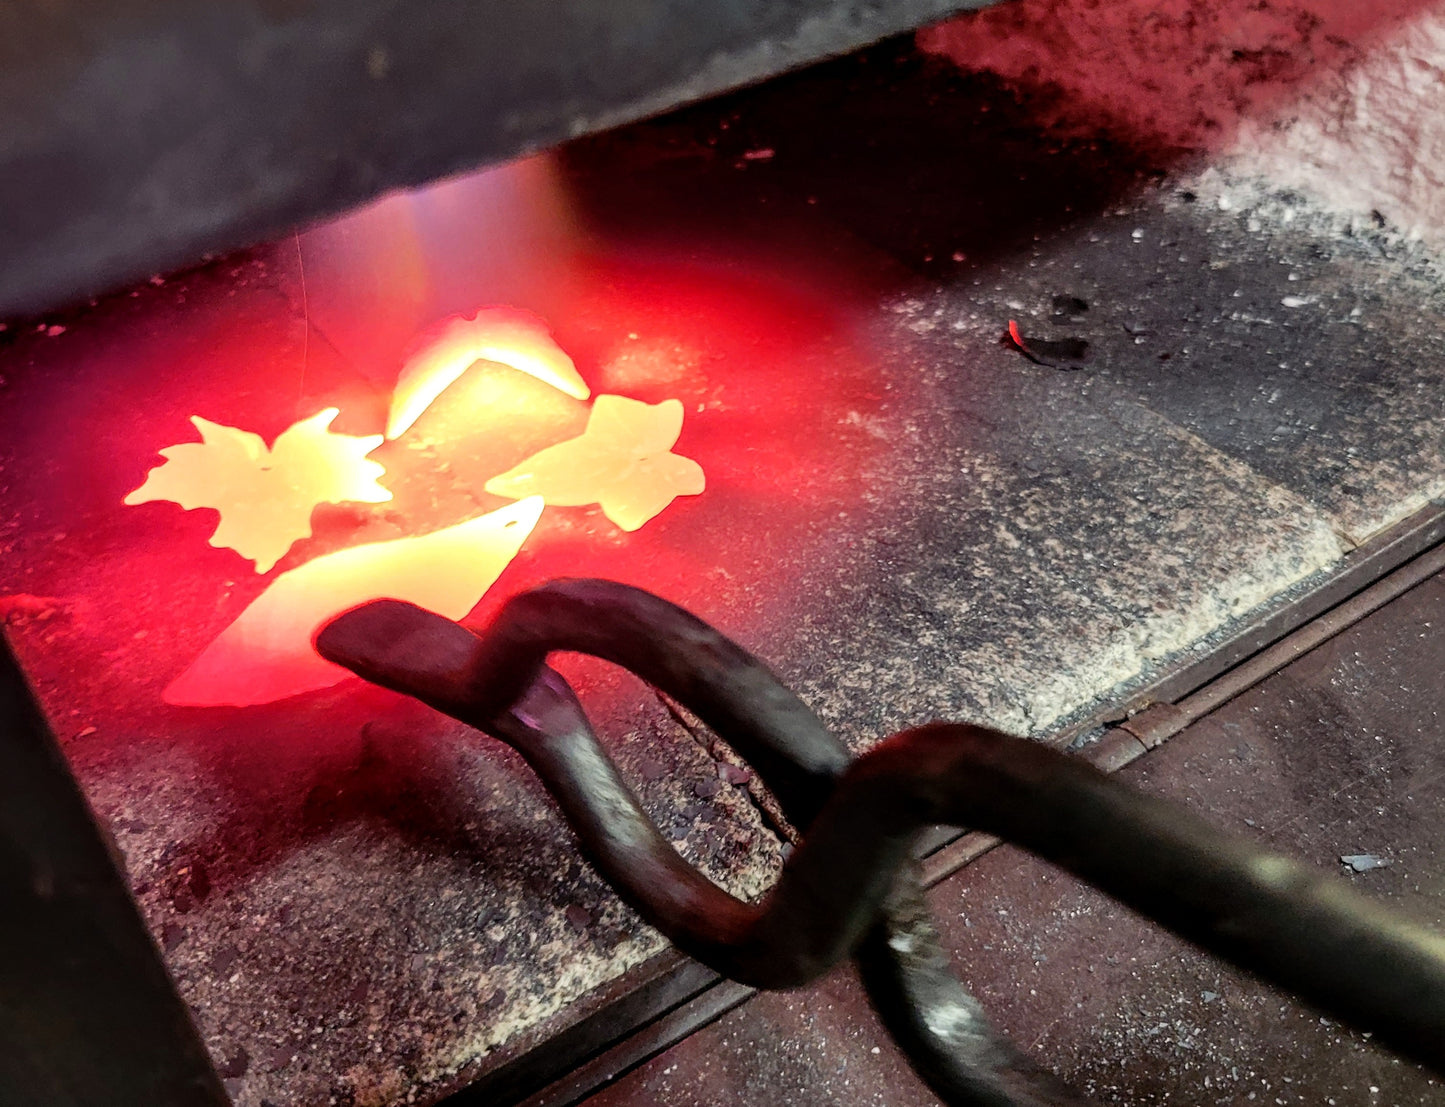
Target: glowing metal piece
{"x":501,"y":334}
{"x":622,"y":461}
{"x":266,"y":653}
{"x":265,"y":496}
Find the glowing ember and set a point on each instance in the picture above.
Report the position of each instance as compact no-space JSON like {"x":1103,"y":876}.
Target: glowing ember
{"x":265,"y":496}
{"x":266,"y":654}
{"x":622,"y":461}
{"x":500,"y":334}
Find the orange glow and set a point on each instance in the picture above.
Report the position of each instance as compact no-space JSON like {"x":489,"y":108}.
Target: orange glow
{"x":265,"y":496}
{"x":622,"y":461}
{"x":266,"y":654}
{"x":505,"y":335}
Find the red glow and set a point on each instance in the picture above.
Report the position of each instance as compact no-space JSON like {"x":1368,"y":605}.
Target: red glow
{"x":777,"y":386}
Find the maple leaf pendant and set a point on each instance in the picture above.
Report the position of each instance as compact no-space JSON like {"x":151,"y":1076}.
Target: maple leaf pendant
{"x":623,"y":462}
{"x":265,"y":496}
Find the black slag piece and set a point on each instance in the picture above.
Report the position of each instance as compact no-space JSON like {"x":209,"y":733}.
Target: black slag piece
{"x":1060,"y":353}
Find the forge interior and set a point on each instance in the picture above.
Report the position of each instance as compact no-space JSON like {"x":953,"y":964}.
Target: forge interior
{"x":1233,"y":303}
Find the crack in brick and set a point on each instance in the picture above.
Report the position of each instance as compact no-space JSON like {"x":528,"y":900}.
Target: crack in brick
{"x":762,"y":800}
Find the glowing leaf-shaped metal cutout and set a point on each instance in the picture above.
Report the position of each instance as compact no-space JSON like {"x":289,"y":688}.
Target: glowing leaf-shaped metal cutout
{"x":265,"y":496}
{"x":622,"y":462}
{"x":506,"y":335}
{"x":266,"y":654}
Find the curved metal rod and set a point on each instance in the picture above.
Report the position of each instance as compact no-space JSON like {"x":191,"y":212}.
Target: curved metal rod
{"x":531,"y":708}
{"x":942,"y":1028}
{"x":940,"y":1025}
{"x":1289,"y":924}
{"x":1292,"y":925}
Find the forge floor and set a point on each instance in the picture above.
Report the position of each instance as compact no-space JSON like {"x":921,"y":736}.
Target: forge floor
{"x":1236,"y":402}
{"x":1339,"y":754}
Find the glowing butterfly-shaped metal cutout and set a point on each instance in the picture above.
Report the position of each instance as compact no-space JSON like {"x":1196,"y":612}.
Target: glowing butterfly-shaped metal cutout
{"x":623,"y":462}
{"x":265,"y":495}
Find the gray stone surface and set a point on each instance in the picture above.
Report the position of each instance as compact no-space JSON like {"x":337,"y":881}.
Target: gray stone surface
{"x":1038,"y":541}
{"x":1339,"y":752}
{"x":1285,"y":350}
{"x":429,"y":905}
